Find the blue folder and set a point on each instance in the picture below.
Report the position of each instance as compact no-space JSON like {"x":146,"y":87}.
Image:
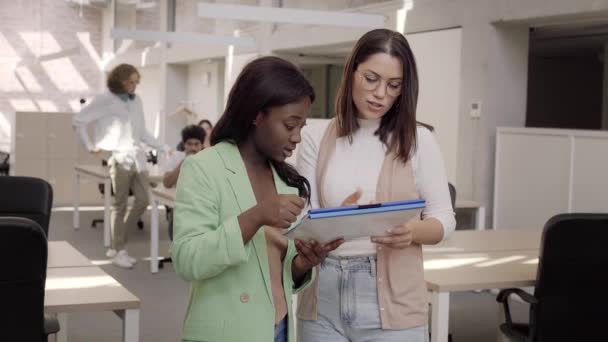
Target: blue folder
{"x":352,"y":222}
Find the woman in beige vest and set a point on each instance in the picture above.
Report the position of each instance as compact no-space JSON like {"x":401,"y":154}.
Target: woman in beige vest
{"x":374,"y":151}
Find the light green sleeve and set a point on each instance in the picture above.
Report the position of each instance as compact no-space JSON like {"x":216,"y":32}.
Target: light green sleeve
{"x":204,"y":244}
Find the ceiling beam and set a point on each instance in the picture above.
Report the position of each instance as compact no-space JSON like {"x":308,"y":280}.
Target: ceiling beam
{"x":290,"y":15}
{"x":181,"y":38}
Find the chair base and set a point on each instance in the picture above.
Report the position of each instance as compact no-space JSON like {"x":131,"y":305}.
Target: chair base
{"x":517,"y":331}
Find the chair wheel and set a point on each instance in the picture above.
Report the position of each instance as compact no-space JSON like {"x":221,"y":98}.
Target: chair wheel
{"x":140,"y":225}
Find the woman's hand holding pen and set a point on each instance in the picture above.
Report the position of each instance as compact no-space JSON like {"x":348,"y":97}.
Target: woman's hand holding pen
{"x":280,"y":211}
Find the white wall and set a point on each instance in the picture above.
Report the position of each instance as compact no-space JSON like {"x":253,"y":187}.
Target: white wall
{"x":177,"y":95}
{"x":234,"y":65}
{"x":149,"y":91}
{"x":437,"y":56}
{"x":206,"y":89}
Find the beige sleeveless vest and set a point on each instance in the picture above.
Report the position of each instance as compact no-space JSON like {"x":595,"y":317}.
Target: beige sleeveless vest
{"x":402,"y":293}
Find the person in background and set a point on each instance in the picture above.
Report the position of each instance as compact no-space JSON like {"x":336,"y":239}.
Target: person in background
{"x":120,"y":128}
{"x":374,"y":289}
{"x":234,"y":201}
{"x":208,"y":127}
{"x":193,"y":138}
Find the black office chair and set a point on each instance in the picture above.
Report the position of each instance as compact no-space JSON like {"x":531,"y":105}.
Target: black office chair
{"x":22,"y":281}
{"x":31,"y":198}
{"x":102,"y":190}
{"x":569,"y":301}
{"x":4,"y":164}
{"x":27,"y":197}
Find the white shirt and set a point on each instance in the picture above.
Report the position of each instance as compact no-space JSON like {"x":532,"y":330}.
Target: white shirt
{"x":174,"y":160}
{"x":358,"y":165}
{"x":119,"y":128}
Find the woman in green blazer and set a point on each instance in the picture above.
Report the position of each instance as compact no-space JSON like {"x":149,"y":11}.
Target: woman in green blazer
{"x":232,"y":201}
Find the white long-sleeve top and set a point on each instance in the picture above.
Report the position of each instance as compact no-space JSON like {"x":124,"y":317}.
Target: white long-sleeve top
{"x":119,"y":127}
{"x":358,"y":165}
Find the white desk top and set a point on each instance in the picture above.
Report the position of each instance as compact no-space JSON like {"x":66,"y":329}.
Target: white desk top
{"x":75,"y":289}
{"x":102,"y":172}
{"x":488,"y":241}
{"x":475,"y":271}
{"x":63,"y":254}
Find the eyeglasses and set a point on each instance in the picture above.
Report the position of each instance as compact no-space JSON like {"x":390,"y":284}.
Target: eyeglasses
{"x":371,"y":82}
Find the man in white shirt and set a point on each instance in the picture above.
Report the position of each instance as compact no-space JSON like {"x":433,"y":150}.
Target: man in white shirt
{"x":193,"y":139}
{"x":120,"y":128}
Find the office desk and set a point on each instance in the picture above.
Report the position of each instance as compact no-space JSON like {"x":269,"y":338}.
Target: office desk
{"x":450,"y":272}
{"x":63,"y":254}
{"x":159,"y":196}
{"x":480,"y":211}
{"x":87,"y":289}
{"x":101,"y":174}
{"x":490,"y":240}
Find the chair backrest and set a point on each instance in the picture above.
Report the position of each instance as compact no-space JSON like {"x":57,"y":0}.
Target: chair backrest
{"x":452,"y":194}
{"x":27,"y":197}
{"x":572,"y":279}
{"x":23,"y":251}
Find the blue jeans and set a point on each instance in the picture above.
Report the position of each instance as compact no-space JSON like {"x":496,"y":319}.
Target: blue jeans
{"x":280,"y":331}
{"x":348,"y":307}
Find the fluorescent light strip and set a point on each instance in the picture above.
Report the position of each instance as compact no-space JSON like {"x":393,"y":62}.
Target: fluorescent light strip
{"x":288,"y":15}
{"x":181,"y":37}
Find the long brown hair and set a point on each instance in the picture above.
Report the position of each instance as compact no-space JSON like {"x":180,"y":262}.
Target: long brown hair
{"x":118,"y":75}
{"x":264,"y":83}
{"x":398,"y":126}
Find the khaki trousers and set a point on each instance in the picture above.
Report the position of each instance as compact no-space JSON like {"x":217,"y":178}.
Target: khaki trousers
{"x":124,"y":180}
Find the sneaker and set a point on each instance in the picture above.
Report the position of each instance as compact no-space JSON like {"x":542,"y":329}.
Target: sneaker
{"x":122,"y":259}
{"x":111,"y":253}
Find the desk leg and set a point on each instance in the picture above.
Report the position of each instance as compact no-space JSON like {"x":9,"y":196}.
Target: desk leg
{"x":440,"y":302}
{"x":130,"y":326}
{"x":154,"y":237}
{"x":76,"y":196}
{"x":107,"y":224}
{"x":62,"y":335}
{"x":480,"y":218}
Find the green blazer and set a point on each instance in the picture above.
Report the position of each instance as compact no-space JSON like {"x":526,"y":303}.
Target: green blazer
{"x":230,"y":295}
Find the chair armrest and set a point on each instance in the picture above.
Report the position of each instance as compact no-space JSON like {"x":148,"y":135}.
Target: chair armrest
{"x":503,"y":297}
